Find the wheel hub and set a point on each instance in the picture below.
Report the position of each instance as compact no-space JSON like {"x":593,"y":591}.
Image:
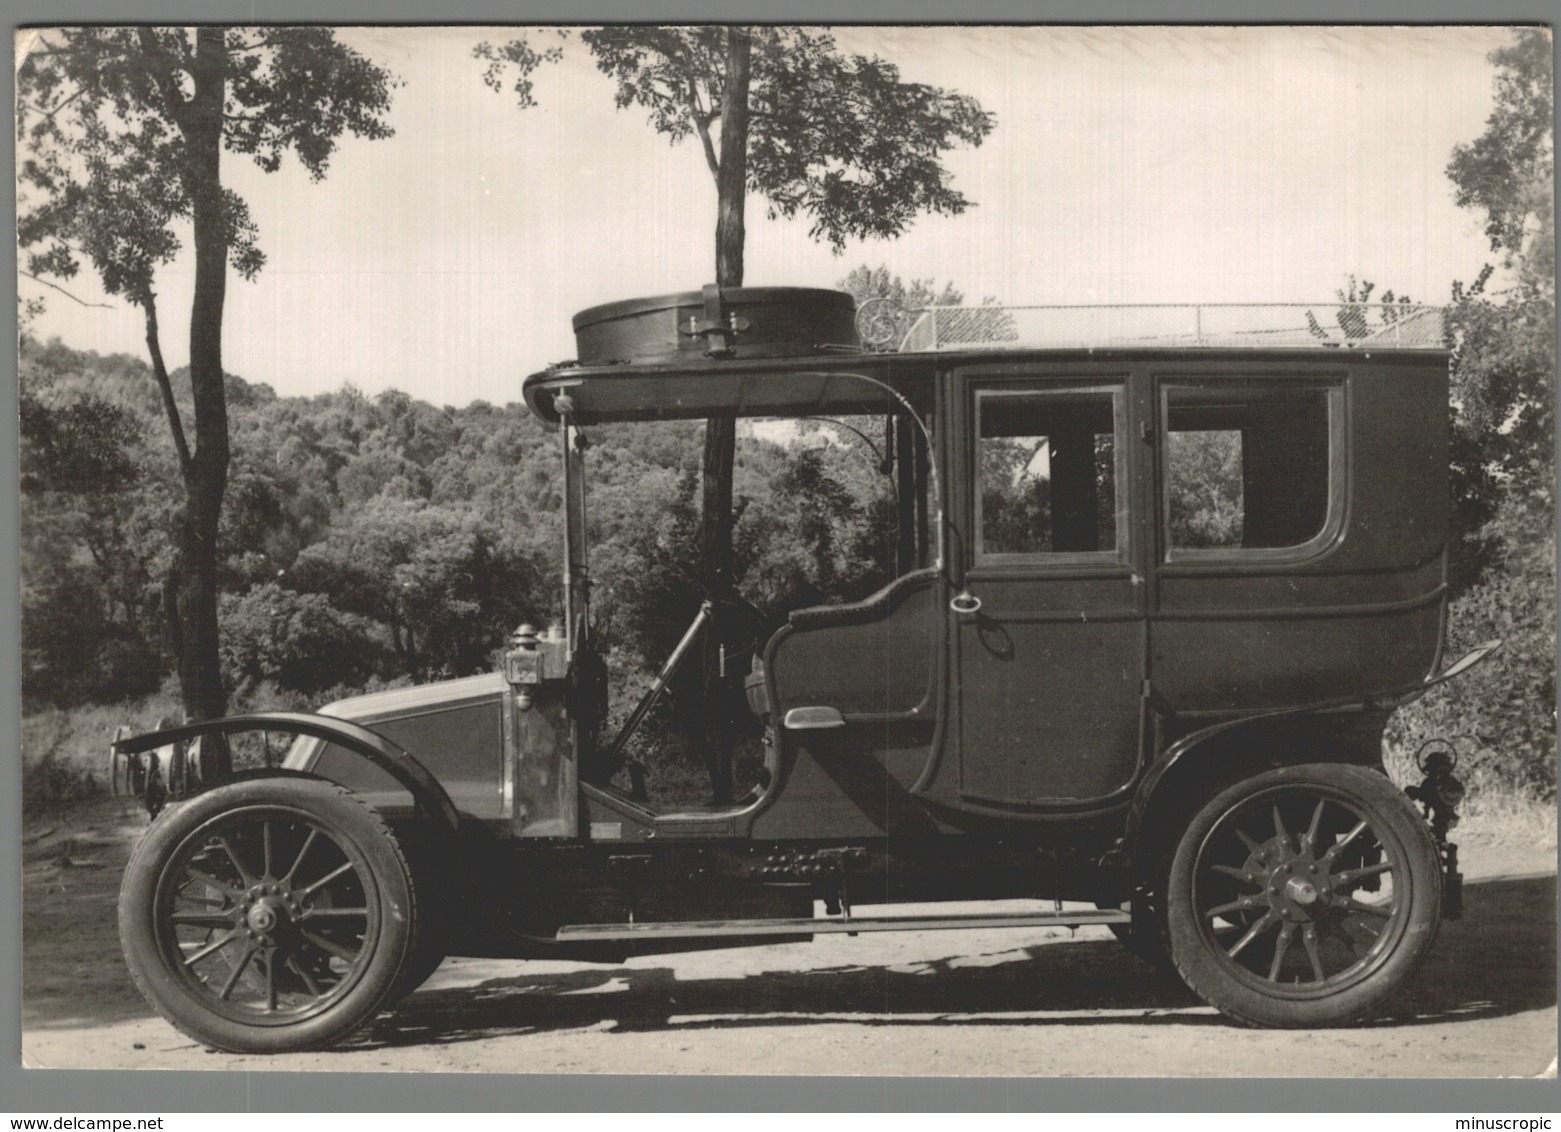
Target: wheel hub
{"x":1300,"y":891}
{"x":1298,"y":888}
{"x":261,"y":917}
{"x":268,"y":906}
{"x":265,"y":915}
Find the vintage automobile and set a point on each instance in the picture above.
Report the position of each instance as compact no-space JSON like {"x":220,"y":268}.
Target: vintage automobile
{"x":1161,"y":576}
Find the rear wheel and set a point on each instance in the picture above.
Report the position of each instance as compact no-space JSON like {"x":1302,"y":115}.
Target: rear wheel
{"x":1303,"y":897}
{"x":268,"y":915}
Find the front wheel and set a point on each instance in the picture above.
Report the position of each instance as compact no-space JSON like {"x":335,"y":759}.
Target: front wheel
{"x":1303,"y":897}
{"x":268,"y":915}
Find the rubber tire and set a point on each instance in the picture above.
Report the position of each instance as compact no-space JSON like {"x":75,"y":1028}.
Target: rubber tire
{"x":1391,"y":816}
{"x":431,"y":875}
{"x":348,"y":820}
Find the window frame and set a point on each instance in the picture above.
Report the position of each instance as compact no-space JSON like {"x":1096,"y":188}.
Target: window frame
{"x":1119,"y":555}
{"x":1334,"y":389}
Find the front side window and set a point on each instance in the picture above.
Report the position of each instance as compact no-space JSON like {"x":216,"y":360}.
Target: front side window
{"x":1248,"y":466}
{"x":1048,"y":473}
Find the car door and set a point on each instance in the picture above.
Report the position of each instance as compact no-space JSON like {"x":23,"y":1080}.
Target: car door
{"x":1049,"y":627}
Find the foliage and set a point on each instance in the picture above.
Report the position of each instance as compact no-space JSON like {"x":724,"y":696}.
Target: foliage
{"x":1501,"y":716}
{"x":88,"y":625}
{"x":807,"y":533}
{"x":1502,"y":371}
{"x":99,"y":512}
{"x":81,"y":448}
{"x":1205,"y":489}
{"x":1357,"y":316}
{"x":1507,"y":172}
{"x":435,"y":579}
{"x":299,"y":640}
{"x":63,"y":750}
{"x":107,"y":122}
{"x":836,"y":137}
{"x":864,"y":282}
{"x":1504,"y":344}
{"x":73,"y":652}
{"x":1015,"y":503}
{"x":888,"y":308}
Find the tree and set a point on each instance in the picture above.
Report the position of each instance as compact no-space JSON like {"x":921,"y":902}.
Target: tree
{"x":866,"y":283}
{"x":901,"y":306}
{"x":1508,"y":171}
{"x":300,"y":641}
{"x":122,"y":133}
{"x":1503,"y":341}
{"x":434,"y":577}
{"x":81,"y":480}
{"x":895,"y":303}
{"x":838,"y":138}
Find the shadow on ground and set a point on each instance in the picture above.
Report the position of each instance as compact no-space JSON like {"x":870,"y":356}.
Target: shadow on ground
{"x":1079,"y":977}
{"x":1498,"y":960}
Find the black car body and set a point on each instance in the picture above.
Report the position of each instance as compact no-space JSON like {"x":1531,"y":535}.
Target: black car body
{"x":1101,"y":675}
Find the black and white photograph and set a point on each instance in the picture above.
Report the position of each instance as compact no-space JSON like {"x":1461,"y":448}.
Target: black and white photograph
{"x":749,"y":550}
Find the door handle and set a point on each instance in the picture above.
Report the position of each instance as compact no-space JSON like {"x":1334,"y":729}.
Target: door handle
{"x":965,"y":603}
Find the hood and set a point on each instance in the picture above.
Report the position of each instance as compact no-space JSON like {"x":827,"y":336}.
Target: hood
{"x":419,"y":697}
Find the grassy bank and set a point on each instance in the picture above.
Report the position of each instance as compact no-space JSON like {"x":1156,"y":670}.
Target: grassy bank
{"x":65,"y":750}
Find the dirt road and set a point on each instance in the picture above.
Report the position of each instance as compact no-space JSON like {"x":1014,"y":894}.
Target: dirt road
{"x":1006,"y":1003}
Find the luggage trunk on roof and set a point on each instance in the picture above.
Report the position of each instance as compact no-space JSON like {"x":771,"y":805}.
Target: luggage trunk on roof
{"x":735,"y":322}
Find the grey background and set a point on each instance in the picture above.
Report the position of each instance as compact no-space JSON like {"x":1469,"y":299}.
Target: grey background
{"x":121,"y":1092}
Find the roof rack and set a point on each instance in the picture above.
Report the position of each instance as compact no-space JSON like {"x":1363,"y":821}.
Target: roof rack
{"x":1324,"y":325}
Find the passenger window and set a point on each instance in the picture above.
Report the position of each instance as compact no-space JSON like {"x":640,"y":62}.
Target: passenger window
{"x":1247,"y":467}
{"x":1047,"y":473}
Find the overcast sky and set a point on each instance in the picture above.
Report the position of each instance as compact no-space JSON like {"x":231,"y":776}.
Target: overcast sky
{"x":1126,"y":165}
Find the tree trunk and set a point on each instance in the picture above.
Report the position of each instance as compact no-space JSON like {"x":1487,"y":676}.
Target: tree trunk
{"x":200,"y":669}
{"x":715,"y":530}
{"x":732,"y":181}
{"x":731,"y":195}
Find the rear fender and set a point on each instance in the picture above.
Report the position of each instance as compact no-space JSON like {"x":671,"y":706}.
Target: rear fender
{"x":399,"y":764}
{"x":1345,"y":730}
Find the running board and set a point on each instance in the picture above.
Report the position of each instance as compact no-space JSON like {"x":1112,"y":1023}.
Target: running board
{"x":850,"y":924}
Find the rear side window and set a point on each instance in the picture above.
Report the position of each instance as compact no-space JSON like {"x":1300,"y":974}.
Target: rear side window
{"x":1249,"y":467}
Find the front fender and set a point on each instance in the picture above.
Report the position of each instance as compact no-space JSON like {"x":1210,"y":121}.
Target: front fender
{"x":393,"y":760}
